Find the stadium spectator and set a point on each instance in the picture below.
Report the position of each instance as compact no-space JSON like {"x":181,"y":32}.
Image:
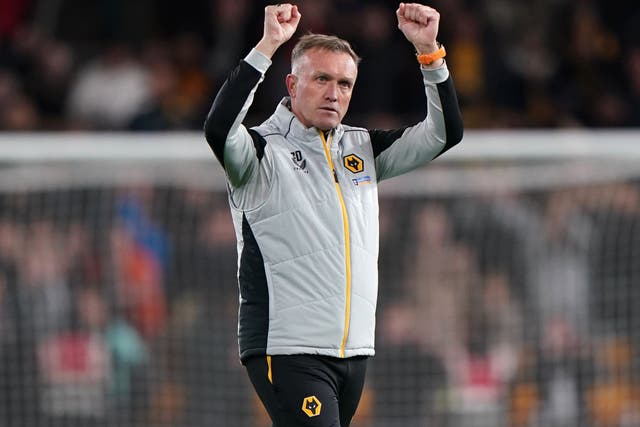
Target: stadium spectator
{"x":467,"y":56}
{"x":613,"y":400}
{"x":140,"y":250}
{"x":440,"y":286}
{"x":503,"y":319}
{"x":90,"y":372}
{"x":161,"y":111}
{"x":52,"y":76}
{"x":565,"y":373}
{"x":205,"y":296}
{"x":86,"y":368}
{"x":17,"y":393}
{"x":552,"y":237}
{"x":615,"y":209}
{"x":632,"y":74}
{"x":17,"y":111}
{"x":230,"y":21}
{"x":109,"y":91}
{"x":560,"y":276}
{"x":46,"y":67}
{"x":127,"y":354}
{"x":381,"y":53}
{"x":193,"y":85}
{"x":410,"y":381}
{"x":42,"y":274}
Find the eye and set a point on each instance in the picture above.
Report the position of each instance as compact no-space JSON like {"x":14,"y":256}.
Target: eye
{"x":345,"y":85}
{"x":322,"y":79}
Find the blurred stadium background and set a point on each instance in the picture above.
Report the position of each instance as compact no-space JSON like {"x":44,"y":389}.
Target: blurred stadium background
{"x":510,"y":282}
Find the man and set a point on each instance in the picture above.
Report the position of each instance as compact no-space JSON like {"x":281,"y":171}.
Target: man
{"x":303,"y":195}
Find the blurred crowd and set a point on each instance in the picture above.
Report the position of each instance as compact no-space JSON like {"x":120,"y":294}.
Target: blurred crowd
{"x":156,"y":64}
{"x":118,"y":308}
{"x":514,"y":308}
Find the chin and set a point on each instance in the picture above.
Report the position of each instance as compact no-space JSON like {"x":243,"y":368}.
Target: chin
{"x":324,"y":126}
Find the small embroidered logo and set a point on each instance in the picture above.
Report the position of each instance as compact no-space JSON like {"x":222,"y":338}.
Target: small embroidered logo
{"x":311,"y":406}
{"x":354,"y":163}
{"x":299,"y":161}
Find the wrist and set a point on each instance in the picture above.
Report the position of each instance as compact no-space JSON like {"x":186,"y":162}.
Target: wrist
{"x":432,"y":58}
{"x":428,"y":48}
{"x":266,"y":47}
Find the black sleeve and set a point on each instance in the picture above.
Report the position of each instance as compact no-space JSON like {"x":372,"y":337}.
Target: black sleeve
{"x":227,"y":105}
{"x":383,"y":139}
{"x":452,"y":115}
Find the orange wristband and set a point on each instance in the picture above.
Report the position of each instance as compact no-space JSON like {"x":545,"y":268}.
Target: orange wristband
{"x":429,"y":58}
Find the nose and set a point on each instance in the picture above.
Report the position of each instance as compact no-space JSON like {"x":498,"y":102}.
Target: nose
{"x":331,"y":93}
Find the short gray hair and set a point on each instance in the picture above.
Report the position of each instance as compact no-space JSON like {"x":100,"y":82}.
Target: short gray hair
{"x":322,"y":41}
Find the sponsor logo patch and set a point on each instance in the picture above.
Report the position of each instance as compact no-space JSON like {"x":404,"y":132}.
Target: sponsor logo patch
{"x":363,"y":180}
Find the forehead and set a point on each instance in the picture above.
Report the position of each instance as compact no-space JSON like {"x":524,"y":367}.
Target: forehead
{"x":337,"y":64}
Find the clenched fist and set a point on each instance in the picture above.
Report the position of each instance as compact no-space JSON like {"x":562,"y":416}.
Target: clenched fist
{"x":280,"y":22}
{"x":419,"y":24}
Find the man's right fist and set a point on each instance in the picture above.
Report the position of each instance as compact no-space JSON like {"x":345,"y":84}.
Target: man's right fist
{"x":280,"y":23}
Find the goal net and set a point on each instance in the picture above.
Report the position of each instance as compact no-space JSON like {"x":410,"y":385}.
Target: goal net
{"x":509,"y":285}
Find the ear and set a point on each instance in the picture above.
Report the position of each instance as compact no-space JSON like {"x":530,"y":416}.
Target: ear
{"x":291,"y":81}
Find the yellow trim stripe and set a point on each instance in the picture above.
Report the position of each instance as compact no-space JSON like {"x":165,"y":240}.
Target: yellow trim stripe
{"x":269,"y":373}
{"x":347,"y":246}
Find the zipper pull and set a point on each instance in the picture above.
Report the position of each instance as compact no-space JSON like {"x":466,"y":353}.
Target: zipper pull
{"x":335,"y":176}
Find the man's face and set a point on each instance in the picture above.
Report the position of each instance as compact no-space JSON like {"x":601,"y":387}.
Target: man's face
{"x":320,"y":87}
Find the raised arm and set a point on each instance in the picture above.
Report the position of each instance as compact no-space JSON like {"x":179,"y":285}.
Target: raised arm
{"x":401,"y":150}
{"x":229,"y":140}
{"x":420,"y":24}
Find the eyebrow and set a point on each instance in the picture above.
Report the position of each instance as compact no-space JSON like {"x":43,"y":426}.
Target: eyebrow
{"x":328,"y":75}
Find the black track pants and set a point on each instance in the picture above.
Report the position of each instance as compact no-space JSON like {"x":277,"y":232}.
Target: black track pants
{"x":307,"y":390}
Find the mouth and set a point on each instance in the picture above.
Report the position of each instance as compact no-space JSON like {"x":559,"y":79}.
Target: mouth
{"x":329,"y":109}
